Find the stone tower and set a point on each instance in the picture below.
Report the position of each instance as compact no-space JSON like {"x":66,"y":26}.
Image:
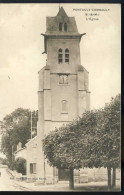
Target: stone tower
{"x":63,"y":82}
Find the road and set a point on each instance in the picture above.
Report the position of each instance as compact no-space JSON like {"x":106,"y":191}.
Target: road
{"x":7,"y":182}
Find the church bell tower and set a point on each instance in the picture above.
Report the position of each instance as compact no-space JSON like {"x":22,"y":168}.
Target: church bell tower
{"x":63,"y":82}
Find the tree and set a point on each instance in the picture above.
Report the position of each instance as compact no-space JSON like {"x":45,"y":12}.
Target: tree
{"x":57,"y":147}
{"x":18,"y":129}
{"x":104,"y":148}
{"x":20,"y":165}
{"x":92,"y":140}
{"x":111,"y":137}
{"x":105,"y":143}
{"x":66,"y":147}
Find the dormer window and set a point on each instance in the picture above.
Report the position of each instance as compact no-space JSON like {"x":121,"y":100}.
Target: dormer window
{"x":60,"y":26}
{"x":60,"y":56}
{"x":65,"y":27}
{"x":67,"y":56}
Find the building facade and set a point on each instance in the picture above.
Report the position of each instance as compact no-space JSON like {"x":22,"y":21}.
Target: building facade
{"x":63,"y":93}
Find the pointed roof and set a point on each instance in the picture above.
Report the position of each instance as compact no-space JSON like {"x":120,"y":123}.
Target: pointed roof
{"x":62,"y":12}
{"x":52,"y":23}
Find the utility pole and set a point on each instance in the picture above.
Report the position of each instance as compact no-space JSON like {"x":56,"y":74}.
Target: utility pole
{"x":32,"y":123}
{"x":12,"y":154}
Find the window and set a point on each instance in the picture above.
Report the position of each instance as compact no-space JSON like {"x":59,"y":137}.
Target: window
{"x":63,"y":79}
{"x":60,"y":26}
{"x":60,"y":56}
{"x":67,"y":55}
{"x":65,"y":27}
{"x":64,"y":106}
{"x":32,"y":167}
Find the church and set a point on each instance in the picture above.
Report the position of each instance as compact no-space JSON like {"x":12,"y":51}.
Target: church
{"x":63,"y":95}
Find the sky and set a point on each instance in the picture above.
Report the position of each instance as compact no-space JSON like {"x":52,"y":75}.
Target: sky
{"x":21,"y":47}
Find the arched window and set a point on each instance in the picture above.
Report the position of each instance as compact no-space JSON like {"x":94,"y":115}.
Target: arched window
{"x":64,"y":106}
{"x":65,"y":27}
{"x":60,"y":56}
{"x":67,"y":55}
{"x":60,"y":26}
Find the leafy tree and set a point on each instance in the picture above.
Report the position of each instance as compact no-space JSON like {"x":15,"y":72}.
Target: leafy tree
{"x":91,"y":141}
{"x":58,"y":150}
{"x":18,"y":129}
{"x":66,"y":147}
{"x":109,"y":145}
{"x":20,"y":165}
{"x":103,"y":149}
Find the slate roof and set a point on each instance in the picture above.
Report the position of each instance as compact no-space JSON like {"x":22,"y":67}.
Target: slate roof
{"x":52,"y":24}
